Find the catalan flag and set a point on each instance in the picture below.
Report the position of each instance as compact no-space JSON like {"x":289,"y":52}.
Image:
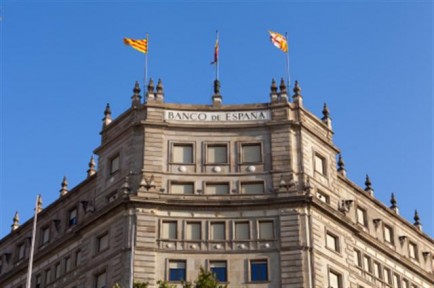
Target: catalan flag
{"x":140,"y":45}
{"x":279,"y":41}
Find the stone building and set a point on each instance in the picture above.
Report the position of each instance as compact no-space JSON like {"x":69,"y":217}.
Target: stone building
{"x":257,"y":193}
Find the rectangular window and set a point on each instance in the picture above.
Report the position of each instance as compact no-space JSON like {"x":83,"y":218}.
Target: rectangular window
{"x":266,"y":230}
{"x":377,"y":270}
{"x":335,"y":280}
{"x":45,"y":235}
{"x":358,"y":257}
{"x":21,"y":251}
{"x":217,"y":188}
{"x":412,"y":250}
{"x":361,"y":216}
{"x":219,"y":268}
{"x":47,"y":276}
{"x":332,"y":241}
{"x":258,"y":270}
{"x":67,"y":262}
{"x":251,"y":153}
{"x":252,"y":188}
{"x":78,"y":258}
{"x":100,"y":280}
{"x":323,"y":197}
{"x":114,"y":165}
{"x":57,"y":271}
{"x":177,"y":270}
{"x":102,"y":242}
{"x":218,"y":231}
{"x":367,"y":263}
{"x":319,"y":164}
{"x":182,"y":153}
{"x":387,"y":276}
{"x":388,"y":234}
{"x":38,"y":281}
{"x":242,"y":231}
{"x":193,"y":231}
{"x":72,"y":217}
{"x":169,"y":230}
{"x":396,"y":281}
{"x":405,"y":283}
{"x":217,"y":154}
{"x":182,"y":187}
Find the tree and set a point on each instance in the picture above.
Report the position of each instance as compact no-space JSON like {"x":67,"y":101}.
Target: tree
{"x":206,"y":279}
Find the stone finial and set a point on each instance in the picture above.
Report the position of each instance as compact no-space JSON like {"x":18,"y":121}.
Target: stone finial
{"x":368,"y":186}
{"x":217,"y":97}
{"x":91,"y":171}
{"x":283,"y":93}
{"x":160,"y":91}
{"x":273,"y":91}
{"x":39,"y":204}
{"x":297,"y":98}
{"x":394,"y":204}
{"x":107,"y":115}
{"x":135,"y":99}
{"x":64,"y":187}
{"x":326,"y":116}
{"x":341,"y":166}
{"x":150,"y":95}
{"x":416,"y":221}
{"x":15,"y":221}
{"x":126,"y":186}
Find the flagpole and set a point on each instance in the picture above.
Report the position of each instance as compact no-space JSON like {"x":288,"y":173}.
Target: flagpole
{"x":32,"y":246}
{"x":217,"y":63}
{"x":146,"y":61}
{"x":287,"y":60}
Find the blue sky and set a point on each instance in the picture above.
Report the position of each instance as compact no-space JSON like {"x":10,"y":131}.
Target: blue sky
{"x":372,"y":62}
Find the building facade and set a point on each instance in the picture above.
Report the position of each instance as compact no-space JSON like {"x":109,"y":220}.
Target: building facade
{"x":256,"y":193}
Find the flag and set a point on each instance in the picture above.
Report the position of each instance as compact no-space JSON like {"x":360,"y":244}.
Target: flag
{"x":216,"y":52}
{"x":279,"y":41}
{"x":140,"y":45}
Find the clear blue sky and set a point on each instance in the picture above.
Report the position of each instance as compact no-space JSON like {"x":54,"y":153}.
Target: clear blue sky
{"x":63,"y":61}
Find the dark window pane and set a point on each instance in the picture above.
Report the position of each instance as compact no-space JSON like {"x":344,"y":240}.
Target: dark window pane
{"x":176,"y":274}
{"x":259,"y":271}
{"x":220,"y":273}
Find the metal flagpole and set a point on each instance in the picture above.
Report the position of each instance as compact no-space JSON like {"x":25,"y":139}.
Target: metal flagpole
{"x":133,"y":230}
{"x":217,"y":59}
{"x":146,"y":61}
{"x":287,"y":60}
{"x":32,"y":247}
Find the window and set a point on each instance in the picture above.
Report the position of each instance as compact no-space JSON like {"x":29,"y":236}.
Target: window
{"x":102,"y":242}
{"x":251,"y":153}
{"x":182,"y":153}
{"x":217,"y":188}
{"x":21,"y":251}
{"x":177,"y":270}
{"x":322,"y":197}
{"x":319,"y":164}
{"x":67,"y":266}
{"x":217,"y":154}
{"x":266,"y":230}
{"x":367,"y":263}
{"x":361,"y":216}
{"x":45,"y":235}
{"x":405,"y":283}
{"x":193,"y":231}
{"x":38,"y":281}
{"x":258,"y":270}
{"x":100,"y":280}
{"x":78,"y":258}
{"x":396,"y":282}
{"x":335,"y":280}
{"x":388,"y":234}
{"x":72,"y":217}
{"x":332,"y":241}
{"x":252,"y":188}
{"x":169,"y":230}
{"x":218,"y":231}
{"x":387,"y":276}
{"x":114,"y":165}
{"x":47,"y":276}
{"x":219,"y":268}
{"x":242,"y":231}
{"x":181,"y":188}
{"x":412,"y":250}
{"x":57,"y":271}
{"x":377,"y":270}
{"x":358,"y":257}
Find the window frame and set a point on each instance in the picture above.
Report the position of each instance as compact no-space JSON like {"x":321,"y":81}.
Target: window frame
{"x":321,"y":195}
{"x":364,"y":216}
{"x":72,"y":221}
{"x":47,"y":276}
{"x":251,"y":144}
{"x":259,"y":261}
{"x":173,"y":183}
{"x":182,"y":144}
{"x":338,"y":275}
{"x":259,"y":230}
{"x":57,"y":270}
{"x":388,"y":230}
{"x":186,"y":236}
{"x":217,"y":184}
{"x":169,"y":261}
{"x":114,"y":164}
{"x":387,"y":275}
{"x":99,"y":238}
{"x":337,"y":244}
{"x":211,"y":262}
{"x":377,"y":270}
{"x":67,"y":264}
{"x":97,"y":277}
{"x":211,"y":230}
{"x":244,"y":183}
{"x":413,"y":253}
{"x":216,"y":144}
{"x":367,"y":263}
{"x":44,"y":230}
{"x":240,"y":222}
{"x":323,"y":159}
{"x":358,"y":258}
{"x":168,"y":222}
{"x":21,"y":251}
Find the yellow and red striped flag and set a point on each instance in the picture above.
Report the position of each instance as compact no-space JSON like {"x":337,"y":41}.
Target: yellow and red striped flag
{"x":279,"y":41}
{"x":140,"y":45}
{"x":216,"y":52}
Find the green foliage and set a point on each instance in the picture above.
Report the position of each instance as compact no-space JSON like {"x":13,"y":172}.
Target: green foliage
{"x":206,"y":279}
{"x":164,"y":284}
{"x":135,"y":285}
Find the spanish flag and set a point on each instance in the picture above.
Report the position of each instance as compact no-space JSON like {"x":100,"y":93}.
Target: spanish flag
{"x":279,"y":41}
{"x":216,"y":52}
{"x":140,"y":45}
